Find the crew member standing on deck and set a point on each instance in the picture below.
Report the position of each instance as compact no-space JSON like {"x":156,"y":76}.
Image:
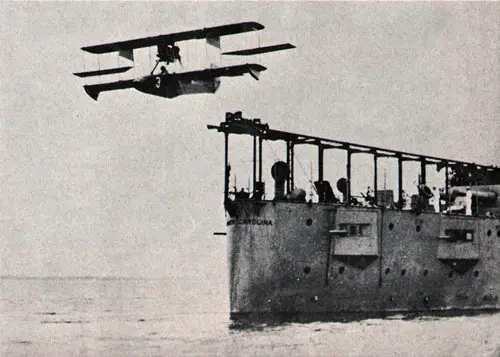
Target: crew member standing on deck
{"x":468,"y":202}
{"x":436,"y":199}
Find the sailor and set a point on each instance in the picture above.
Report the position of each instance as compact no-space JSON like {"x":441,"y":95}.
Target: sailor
{"x":407,"y":201}
{"x":163,"y":70}
{"x":436,"y":198}
{"x":443,"y":203}
{"x":468,"y":202}
{"x":404,"y":202}
{"x":242,"y":194}
{"x":369,"y":198}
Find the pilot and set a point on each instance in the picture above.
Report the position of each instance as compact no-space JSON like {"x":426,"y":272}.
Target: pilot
{"x":163,"y":70}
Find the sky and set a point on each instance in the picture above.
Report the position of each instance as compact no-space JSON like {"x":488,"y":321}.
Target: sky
{"x":131,"y":185}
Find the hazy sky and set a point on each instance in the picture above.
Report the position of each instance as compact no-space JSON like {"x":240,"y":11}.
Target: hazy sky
{"x":132,"y":185}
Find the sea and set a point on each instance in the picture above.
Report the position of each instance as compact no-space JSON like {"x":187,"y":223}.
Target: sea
{"x":188,"y":316}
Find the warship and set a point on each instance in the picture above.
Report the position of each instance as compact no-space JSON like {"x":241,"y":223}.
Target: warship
{"x":343,"y":256}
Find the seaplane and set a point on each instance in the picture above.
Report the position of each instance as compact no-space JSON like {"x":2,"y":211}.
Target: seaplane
{"x":171,"y":85}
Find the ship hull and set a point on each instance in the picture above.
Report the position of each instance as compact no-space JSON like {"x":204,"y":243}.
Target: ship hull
{"x":302,"y":261}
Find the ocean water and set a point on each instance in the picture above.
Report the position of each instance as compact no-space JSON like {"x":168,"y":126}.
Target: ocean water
{"x":189,"y":317}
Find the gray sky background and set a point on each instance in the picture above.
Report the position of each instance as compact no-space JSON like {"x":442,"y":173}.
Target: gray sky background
{"x":132,"y":185}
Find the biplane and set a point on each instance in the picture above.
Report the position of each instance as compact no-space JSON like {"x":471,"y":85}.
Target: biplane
{"x":171,"y":85}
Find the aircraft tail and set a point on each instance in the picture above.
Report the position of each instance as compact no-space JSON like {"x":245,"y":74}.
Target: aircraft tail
{"x":255,"y":69}
{"x":94,"y":90}
{"x":216,"y":84}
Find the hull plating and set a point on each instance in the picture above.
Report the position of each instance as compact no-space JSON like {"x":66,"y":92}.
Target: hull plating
{"x":327,"y":261}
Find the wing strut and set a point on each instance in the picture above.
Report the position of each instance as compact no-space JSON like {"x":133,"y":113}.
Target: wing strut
{"x":156,"y":65}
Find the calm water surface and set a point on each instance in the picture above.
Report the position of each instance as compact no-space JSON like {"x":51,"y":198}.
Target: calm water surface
{"x":189,"y":317}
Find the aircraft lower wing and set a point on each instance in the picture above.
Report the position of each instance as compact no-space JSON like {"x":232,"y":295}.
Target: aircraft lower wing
{"x":94,"y":90}
{"x":231,"y":71}
{"x":210,"y":32}
{"x":259,"y":50}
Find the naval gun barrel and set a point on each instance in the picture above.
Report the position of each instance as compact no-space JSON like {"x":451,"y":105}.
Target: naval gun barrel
{"x":485,"y":194}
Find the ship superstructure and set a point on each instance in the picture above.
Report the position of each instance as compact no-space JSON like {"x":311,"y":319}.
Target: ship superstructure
{"x":337,"y":257}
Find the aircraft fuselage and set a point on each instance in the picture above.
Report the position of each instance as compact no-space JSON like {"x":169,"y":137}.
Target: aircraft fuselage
{"x":162,"y":85}
{"x":170,"y":86}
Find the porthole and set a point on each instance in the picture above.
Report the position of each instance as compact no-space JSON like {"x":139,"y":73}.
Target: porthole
{"x":309,"y":221}
{"x":307,"y":270}
{"x":418,"y":228}
{"x":391,"y":226}
{"x":488,"y":233}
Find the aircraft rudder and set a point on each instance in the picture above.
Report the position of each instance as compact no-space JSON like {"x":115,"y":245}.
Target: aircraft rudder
{"x":92,"y":92}
{"x":255,"y":69}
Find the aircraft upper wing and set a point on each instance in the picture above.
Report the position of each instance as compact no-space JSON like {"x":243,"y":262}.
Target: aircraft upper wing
{"x":231,"y":71}
{"x":259,"y":50}
{"x":209,"y":32}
